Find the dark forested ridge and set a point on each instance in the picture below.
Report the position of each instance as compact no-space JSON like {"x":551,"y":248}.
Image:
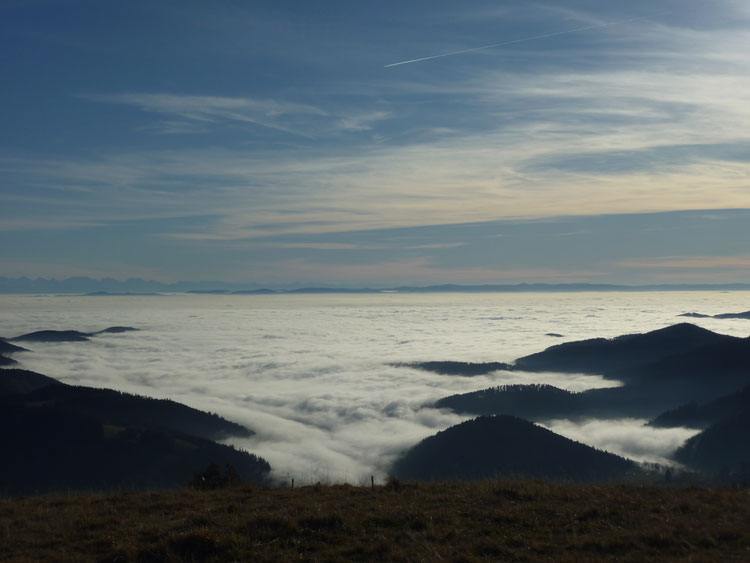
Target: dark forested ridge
{"x":533,"y":402}
{"x":623,"y":355}
{"x":743,"y":315}
{"x":55,"y":450}
{"x":495,"y":446}
{"x":8,"y":348}
{"x":21,"y":381}
{"x":59,"y":437}
{"x":68,"y":335}
{"x":53,"y":336}
{"x":50,"y":336}
{"x":682,"y":375}
{"x":124,"y":409}
{"x":545,"y":402}
{"x":466,"y":369}
{"x":722,"y":447}
{"x":695,"y":415}
{"x":661,"y":370}
{"x":102,"y":439}
{"x":5,"y":361}
{"x":626,"y":357}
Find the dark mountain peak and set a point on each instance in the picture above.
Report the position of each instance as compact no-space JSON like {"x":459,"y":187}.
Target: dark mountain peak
{"x":723,"y":446}
{"x":100,"y":439}
{"x":115,"y":330}
{"x":696,"y":415}
{"x":621,"y":354}
{"x":125,"y":409}
{"x":743,"y":315}
{"x":466,"y":369}
{"x":69,"y":335}
{"x":4,"y":361}
{"x":680,"y":333}
{"x":53,"y":336}
{"x":534,"y":402}
{"x":55,"y":450}
{"x":493,"y":446}
{"x":8,"y":348}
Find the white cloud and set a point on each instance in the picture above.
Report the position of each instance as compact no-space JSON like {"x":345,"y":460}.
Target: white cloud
{"x":206,"y":108}
{"x":311,"y":374}
{"x":691,"y":262}
{"x":629,"y":438}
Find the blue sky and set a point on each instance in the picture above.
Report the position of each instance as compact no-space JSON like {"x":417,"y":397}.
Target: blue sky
{"x":269,"y":142}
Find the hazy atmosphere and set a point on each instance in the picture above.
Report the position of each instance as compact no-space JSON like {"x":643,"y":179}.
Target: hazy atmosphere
{"x":376,"y":143}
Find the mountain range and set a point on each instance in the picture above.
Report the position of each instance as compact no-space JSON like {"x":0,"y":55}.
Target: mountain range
{"x":489,"y":447}
{"x":58,"y":437}
{"x":137,"y":286}
{"x":681,"y":375}
{"x":65,"y":437}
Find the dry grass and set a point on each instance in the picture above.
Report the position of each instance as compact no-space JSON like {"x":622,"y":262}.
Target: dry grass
{"x":492,"y":521}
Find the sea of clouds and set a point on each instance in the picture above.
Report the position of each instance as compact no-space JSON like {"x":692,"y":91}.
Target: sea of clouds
{"x":313,"y":375}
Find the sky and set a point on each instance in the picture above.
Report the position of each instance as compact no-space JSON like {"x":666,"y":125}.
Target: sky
{"x":281,"y":143}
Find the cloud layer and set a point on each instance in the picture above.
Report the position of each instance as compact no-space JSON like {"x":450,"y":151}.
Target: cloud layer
{"x":311,"y":374}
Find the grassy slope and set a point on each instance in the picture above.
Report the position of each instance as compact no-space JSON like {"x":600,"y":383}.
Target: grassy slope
{"x":508,"y":521}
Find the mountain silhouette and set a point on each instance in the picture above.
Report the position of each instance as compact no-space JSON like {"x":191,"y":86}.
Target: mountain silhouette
{"x":21,"y":381}
{"x":8,"y":348}
{"x":114,"y":330}
{"x":465,"y":369}
{"x":59,"y":437}
{"x":661,"y":370}
{"x":5,"y":361}
{"x":722,"y":447}
{"x":743,"y":315}
{"x":505,"y":446}
{"x":533,"y":402}
{"x":544,"y":402}
{"x":67,"y":335}
{"x":695,"y":415}
{"x":123,"y":409}
{"x":53,"y":336}
{"x":621,"y":355}
{"x":700,"y":373}
{"x":52,"y":451}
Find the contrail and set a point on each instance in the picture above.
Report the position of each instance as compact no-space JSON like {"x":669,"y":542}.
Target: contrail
{"x":523,"y":40}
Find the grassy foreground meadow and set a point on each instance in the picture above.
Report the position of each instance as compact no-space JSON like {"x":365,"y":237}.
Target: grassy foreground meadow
{"x":488,"y":521}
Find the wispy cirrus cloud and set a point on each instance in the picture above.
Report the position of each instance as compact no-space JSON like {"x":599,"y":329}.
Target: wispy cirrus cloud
{"x":657,"y":120}
{"x":690,"y":263}
{"x":191,"y":114}
{"x":269,"y":113}
{"x":362,"y":122}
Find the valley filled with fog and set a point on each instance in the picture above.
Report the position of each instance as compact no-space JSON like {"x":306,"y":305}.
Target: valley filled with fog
{"x":316,"y":376}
